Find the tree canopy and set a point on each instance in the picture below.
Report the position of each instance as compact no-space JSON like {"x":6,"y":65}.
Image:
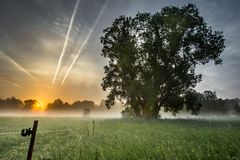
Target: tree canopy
{"x":152,"y":58}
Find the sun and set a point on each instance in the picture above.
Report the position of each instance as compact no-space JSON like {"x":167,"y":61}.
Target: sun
{"x":39,"y":107}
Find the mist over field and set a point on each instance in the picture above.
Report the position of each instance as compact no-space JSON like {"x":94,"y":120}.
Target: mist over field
{"x":116,"y":113}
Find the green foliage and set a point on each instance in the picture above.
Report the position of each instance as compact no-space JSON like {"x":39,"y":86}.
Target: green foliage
{"x":152,"y":58}
{"x":193,"y":101}
{"x":211,"y":104}
{"x":72,"y":139}
{"x":237,"y":108}
{"x":209,"y":96}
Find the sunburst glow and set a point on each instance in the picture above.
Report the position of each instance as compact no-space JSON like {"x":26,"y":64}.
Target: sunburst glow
{"x":39,"y":107}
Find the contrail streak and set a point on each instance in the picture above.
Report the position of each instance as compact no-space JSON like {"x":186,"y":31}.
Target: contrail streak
{"x":66,"y":40}
{"x":15,"y":64}
{"x":11,"y":83}
{"x":84,"y":43}
{"x":15,"y":84}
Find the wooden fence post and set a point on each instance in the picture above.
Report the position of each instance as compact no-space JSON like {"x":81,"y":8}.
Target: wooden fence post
{"x":27,"y":132}
{"x":31,"y":145}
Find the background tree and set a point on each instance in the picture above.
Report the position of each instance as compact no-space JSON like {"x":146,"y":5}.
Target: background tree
{"x":209,"y":96}
{"x":29,"y":104}
{"x":237,"y":106}
{"x":211,"y":104}
{"x":83,"y":104}
{"x":193,"y":101}
{"x":58,"y":104}
{"x":152,"y":58}
{"x":11,"y":104}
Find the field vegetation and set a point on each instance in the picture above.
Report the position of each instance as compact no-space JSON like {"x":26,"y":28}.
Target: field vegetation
{"x":76,"y":138}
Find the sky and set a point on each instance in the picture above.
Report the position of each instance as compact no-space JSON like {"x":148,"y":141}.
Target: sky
{"x":33,"y":34}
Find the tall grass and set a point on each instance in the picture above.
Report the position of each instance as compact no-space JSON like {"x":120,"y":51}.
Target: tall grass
{"x":75,"y":138}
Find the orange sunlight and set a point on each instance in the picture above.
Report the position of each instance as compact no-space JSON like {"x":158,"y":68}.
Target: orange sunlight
{"x":39,"y":107}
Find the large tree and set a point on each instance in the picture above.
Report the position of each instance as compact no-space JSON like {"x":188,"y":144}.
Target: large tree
{"x":152,"y":58}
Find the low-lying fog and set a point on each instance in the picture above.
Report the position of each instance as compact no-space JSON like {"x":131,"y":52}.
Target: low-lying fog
{"x":114,"y":114}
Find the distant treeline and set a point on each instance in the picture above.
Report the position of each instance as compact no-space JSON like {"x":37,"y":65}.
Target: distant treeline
{"x":207,"y":102}
{"x":59,"y":105}
{"x":210,"y":104}
{"x":14,"y":104}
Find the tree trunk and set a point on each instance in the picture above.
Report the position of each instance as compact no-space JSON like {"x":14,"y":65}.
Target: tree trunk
{"x":148,"y":113}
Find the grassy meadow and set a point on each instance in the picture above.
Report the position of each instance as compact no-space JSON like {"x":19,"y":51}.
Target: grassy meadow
{"x":79,"y":139}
